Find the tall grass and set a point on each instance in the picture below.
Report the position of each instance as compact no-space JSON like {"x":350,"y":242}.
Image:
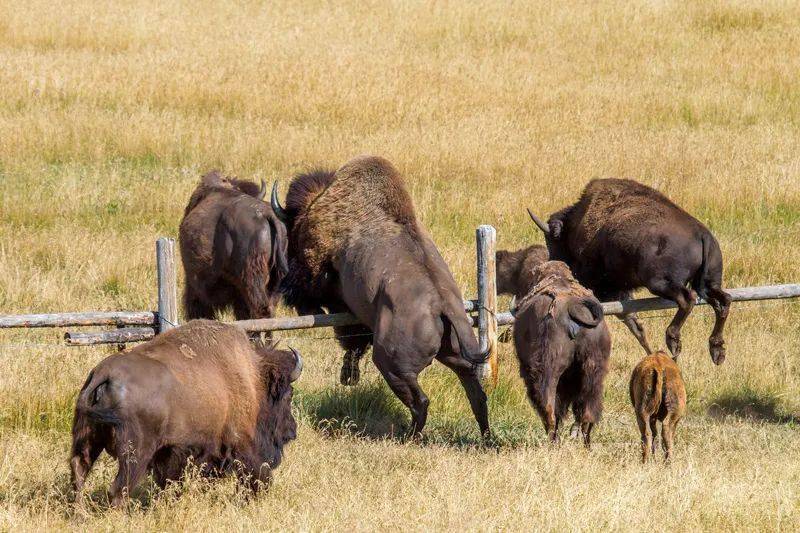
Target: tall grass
{"x":110,"y":112}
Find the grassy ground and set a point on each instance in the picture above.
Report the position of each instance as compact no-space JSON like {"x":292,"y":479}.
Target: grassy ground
{"x":110,"y":112}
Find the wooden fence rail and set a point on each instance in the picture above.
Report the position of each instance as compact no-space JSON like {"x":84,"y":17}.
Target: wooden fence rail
{"x":136,"y":326}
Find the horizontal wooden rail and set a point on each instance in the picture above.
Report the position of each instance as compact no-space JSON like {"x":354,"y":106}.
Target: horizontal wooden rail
{"x":113,"y":336}
{"x":92,"y":318}
{"x":742,"y":294}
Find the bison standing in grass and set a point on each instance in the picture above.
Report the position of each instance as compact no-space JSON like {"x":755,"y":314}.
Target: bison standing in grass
{"x":658,"y":395}
{"x":233,"y":250}
{"x":622,"y":235}
{"x":563,"y":346}
{"x":200,"y":391}
{"x":355,"y":244}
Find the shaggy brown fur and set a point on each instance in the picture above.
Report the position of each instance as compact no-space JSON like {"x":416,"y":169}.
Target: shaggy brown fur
{"x":563,"y":346}
{"x":200,"y":391}
{"x":658,"y":395}
{"x":622,"y":235}
{"x":355,"y":245}
{"x":233,"y":250}
{"x":515,"y":269}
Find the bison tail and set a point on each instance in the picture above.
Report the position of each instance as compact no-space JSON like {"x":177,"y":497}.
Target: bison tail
{"x":655,"y":391}
{"x":583,"y":312}
{"x":469,"y":348}
{"x":96,"y":403}
{"x":280,"y":243}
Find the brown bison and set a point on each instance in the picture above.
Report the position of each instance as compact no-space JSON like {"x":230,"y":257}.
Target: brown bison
{"x":200,"y":391}
{"x":622,"y":235}
{"x":563,"y":346}
{"x":658,"y":395}
{"x":233,"y":250}
{"x":355,"y":245}
{"x":515,"y":269}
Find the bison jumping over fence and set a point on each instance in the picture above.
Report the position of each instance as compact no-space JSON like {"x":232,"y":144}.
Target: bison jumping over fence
{"x":355,"y":245}
{"x":233,"y":250}
{"x":200,"y":391}
{"x":622,"y":235}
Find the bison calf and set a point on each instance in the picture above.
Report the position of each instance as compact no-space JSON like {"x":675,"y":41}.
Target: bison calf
{"x":563,"y":346}
{"x":200,"y":391}
{"x":657,"y":394}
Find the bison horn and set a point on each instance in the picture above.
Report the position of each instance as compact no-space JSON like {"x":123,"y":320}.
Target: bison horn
{"x":262,"y":192}
{"x":279,"y":211}
{"x":298,"y":365}
{"x":538,"y":222}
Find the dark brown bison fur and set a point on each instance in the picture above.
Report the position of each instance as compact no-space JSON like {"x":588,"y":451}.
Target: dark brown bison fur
{"x":563,"y":346}
{"x":658,"y":394}
{"x":515,"y":269}
{"x":355,"y":245}
{"x":200,"y":391}
{"x":233,"y":250}
{"x":622,"y":235}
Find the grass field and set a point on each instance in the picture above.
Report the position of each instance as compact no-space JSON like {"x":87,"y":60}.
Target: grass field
{"x":110,"y":111}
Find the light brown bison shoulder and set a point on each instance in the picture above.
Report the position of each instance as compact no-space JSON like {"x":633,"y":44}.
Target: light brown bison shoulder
{"x":201,"y":391}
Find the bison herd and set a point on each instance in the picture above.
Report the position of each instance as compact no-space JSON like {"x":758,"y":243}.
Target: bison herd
{"x":349,"y":240}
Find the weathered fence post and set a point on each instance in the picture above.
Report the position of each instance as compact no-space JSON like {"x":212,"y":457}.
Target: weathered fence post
{"x":167,"y":285}
{"x":486,"y":239}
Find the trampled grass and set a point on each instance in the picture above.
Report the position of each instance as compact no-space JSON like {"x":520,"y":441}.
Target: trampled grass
{"x":111,"y":111}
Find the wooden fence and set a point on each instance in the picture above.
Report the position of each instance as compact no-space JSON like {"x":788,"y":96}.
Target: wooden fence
{"x":137,"y":326}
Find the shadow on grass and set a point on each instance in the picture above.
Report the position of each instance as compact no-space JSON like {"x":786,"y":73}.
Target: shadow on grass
{"x":749,"y":404}
{"x":371,"y":411}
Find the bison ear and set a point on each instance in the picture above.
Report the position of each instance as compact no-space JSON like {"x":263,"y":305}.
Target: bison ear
{"x":556,"y":227}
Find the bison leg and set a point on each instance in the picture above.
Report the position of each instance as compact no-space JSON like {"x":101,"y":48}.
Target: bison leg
{"x":685,"y":298}
{"x":551,"y":418}
{"x":355,"y":340}
{"x":472,"y":386}
{"x":721,"y":302}
{"x":404,"y":384}
{"x":668,"y":434}
{"x":133,"y":464}
{"x":84,"y":454}
{"x":632,"y":322}
{"x":194,"y":306}
{"x":643,"y":420}
{"x":654,"y":430}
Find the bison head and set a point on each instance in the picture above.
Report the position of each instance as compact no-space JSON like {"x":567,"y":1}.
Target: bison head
{"x":276,"y":424}
{"x":554,"y":236}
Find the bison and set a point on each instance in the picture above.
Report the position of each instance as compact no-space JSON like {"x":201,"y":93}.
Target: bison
{"x":233,"y":250}
{"x":514,"y":269}
{"x":356,"y":245}
{"x":200,"y":391}
{"x":658,"y":395}
{"x":563,"y":346}
{"x":622,"y":235}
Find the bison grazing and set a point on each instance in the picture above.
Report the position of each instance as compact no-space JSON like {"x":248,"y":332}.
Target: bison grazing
{"x":233,"y":250}
{"x":356,"y":245}
{"x":563,"y":346}
{"x":622,"y":235}
{"x":199,"y":391}
{"x":657,"y":394}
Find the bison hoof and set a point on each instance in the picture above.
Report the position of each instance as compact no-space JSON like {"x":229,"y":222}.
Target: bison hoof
{"x":717,"y":349}
{"x":350,"y":374}
{"x":674,"y":345}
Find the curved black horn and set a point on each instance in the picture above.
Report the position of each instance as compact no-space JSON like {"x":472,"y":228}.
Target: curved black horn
{"x":262,"y":192}
{"x":298,"y":365}
{"x":538,"y":222}
{"x":279,"y":211}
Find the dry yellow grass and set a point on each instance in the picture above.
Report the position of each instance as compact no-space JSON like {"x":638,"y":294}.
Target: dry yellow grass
{"x":110,"y":111}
